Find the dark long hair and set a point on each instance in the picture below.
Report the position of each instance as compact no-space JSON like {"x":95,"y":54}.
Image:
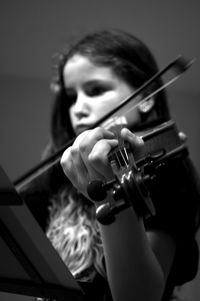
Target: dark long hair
{"x":128,"y":57}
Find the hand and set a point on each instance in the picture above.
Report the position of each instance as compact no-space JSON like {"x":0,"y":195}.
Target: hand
{"x":86,"y":159}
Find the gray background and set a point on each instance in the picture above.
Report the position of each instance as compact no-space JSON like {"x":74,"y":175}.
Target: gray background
{"x":32,"y":31}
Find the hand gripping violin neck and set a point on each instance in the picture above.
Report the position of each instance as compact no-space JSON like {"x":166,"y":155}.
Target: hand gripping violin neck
{"x":133,"y":177}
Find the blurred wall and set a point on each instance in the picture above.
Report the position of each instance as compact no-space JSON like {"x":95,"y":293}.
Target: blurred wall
{"x":31,"y":31}
{"x":24,"y":118}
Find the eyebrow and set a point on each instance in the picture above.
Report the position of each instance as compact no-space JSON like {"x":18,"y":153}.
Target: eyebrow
{"x":91,"y":82}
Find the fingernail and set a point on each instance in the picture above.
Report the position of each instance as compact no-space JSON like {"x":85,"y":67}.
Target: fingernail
{"x":127,"y":132}
{"x":134,"y":136}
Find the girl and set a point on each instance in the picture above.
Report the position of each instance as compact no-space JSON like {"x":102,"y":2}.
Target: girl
{"x":132,"y":258}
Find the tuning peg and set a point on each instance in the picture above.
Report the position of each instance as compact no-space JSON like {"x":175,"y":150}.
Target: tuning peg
{"x":97,"y":190}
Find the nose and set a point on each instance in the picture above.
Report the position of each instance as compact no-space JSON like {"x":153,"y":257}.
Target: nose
{"x":81,"y":107}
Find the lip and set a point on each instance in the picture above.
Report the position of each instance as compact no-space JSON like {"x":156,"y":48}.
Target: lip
{"x":79,"y":128}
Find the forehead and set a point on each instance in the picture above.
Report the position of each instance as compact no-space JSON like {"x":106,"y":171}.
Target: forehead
{"x":79,"y":68}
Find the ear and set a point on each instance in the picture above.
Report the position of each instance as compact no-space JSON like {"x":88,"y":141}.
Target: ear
{"x":146,"y":106}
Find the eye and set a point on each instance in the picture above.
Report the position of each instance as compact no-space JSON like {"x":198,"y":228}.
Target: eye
{"x":96,"y":90}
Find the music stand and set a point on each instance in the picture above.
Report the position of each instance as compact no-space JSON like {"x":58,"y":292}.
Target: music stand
{"x":29,"y":265}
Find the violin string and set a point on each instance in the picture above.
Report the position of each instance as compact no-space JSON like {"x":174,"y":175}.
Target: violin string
{"x":115,"y":124}
{"x":118,"y":160}
{"x":127,"y":157}
{"x":121,"y":147}
{"x":123,"y":157}
{"x":121,"y":144}
{"x":119,"y":154}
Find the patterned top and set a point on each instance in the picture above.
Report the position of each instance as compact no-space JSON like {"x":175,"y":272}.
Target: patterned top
{"x":73,"y":230}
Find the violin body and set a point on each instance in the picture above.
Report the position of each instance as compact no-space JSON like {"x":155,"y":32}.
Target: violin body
{"x":133,"y":175}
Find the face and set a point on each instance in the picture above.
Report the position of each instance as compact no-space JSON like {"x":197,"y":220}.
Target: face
{"x":93,"y":91}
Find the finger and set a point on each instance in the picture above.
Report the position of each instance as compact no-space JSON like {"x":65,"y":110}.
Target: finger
{"x":92,"y":137}
{"x":98,"y":158}
{"x":82,"y":147}
{"x":79,"y":165}
{"x":78,"y":176}
{"x":75,"y":159}
{"x":86,"y":145}
{"x":134,"y":140}
{"x":68,"y":165}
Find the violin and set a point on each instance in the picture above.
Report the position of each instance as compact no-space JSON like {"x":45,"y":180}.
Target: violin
{"x":132,"y":179}
{"x":130,"y":184}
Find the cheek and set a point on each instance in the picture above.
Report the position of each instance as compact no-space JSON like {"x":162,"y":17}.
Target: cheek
{"x":112,"y":100}
{"x":106,"y":104}
{"x":101,"y":107}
